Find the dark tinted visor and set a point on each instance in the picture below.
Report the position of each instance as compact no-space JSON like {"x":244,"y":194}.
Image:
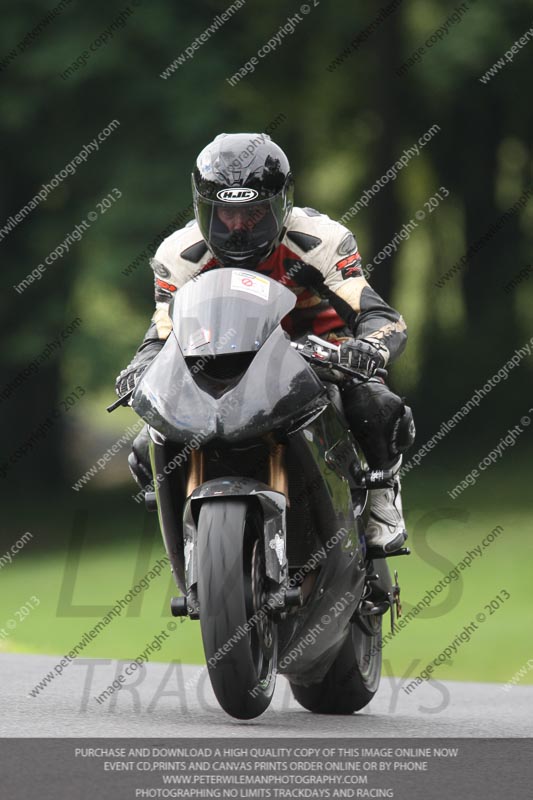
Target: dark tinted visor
{"x":239,"y":229}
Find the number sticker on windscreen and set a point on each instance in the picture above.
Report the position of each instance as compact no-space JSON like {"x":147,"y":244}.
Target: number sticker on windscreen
{"x":253,"y":284}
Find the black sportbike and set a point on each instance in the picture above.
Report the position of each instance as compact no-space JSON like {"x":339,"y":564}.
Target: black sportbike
{"x":261,"y":492}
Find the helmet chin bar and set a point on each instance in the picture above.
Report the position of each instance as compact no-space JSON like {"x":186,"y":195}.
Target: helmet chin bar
{"x":250,"y":260}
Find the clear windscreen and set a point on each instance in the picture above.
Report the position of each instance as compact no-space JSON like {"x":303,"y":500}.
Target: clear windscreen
{"x":228,"y":310}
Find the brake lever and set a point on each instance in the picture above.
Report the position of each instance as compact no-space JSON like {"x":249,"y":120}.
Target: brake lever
{"x":325,"y":361}
{"x":323,"y":343}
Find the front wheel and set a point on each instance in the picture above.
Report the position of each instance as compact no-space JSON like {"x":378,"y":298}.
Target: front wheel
{"x":353,"y":679}
{"x":240,"y":640}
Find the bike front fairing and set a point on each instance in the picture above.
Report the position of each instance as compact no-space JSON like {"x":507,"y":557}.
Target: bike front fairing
{"x":217,"y":318}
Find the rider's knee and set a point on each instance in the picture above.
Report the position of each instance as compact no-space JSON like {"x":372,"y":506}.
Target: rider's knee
{"x":380,"y":420}
{"x":403,"y":432}
{"x":139,"y":458}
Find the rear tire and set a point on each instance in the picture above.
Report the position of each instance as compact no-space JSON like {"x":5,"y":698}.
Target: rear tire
{"x":352,"y":680}
{"x":231,"y":589}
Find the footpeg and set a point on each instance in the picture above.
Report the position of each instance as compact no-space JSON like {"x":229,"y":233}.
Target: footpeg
{"x":379,"y":552}
{"x":371,"y":609}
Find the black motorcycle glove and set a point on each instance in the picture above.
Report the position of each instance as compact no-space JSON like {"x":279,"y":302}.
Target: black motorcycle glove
{"x":363,"y":355}
{"x":129,"y":377}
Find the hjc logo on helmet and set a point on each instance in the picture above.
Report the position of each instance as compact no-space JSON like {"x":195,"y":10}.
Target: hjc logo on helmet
{"x":237,"y":195}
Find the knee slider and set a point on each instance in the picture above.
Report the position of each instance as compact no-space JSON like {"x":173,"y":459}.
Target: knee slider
{"x":373,"y":405}
{"x":403,"y":432}
{"x":139,"y":472}
{"x":139,"y":459}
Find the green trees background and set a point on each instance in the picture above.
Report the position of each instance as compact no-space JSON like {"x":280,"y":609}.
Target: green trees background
{"x":342,"y":128}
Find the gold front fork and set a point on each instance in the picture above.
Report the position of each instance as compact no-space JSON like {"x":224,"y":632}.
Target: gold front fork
{"x":195,"y":477}
{"x":277,"y":471}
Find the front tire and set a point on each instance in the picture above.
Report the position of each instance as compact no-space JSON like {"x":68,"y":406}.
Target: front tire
{"x":353,"y":679}
{"x":240,"y":646}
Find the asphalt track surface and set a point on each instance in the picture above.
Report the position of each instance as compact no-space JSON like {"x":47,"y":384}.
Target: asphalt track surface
{"x":175,"y":700}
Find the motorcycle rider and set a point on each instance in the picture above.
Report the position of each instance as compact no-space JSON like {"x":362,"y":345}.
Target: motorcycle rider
{"x":244,"y":217}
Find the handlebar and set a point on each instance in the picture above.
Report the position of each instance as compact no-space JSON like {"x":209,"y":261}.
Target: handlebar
{"x":122,"y":401}
{"x":317,"y":351}
{"x":320,"y":353}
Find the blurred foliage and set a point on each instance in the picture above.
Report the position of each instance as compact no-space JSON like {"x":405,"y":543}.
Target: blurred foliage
{"x":342,"y":130}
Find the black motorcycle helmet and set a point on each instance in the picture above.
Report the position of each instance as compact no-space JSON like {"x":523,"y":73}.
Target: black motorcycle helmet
{"x":243,"y":197}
